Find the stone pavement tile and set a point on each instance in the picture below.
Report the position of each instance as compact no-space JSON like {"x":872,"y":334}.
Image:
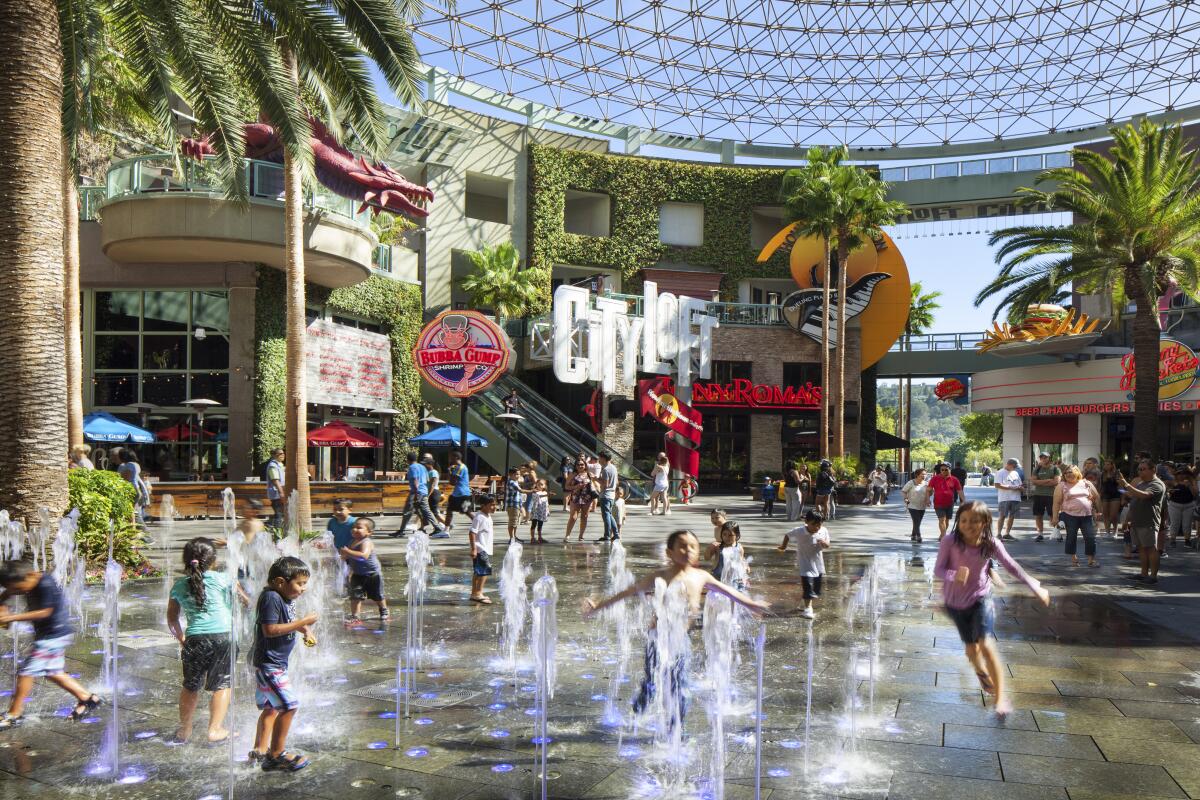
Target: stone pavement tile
{"x":923,"y":786}
{"x":1158,"y":694}
{"x":955,"y":662}
{"x":1053,"y":648}
{"x":912,"y":731}
{"x":962,"y":714}
{"x":1027,"y":685}
{"x":1001,"y":740}
{"x":1079,"y":673}
{"x":1103,"y":662}
{"x":1090,"y":705}
{"x":1181,"y":760}
{"x":1161,"y":730}
{"x":1191,"y":727}
{"x":940,"y":760}
{"x":1079,"y":793}
{"x":929,"y":694}
{"x":1185,"y":683}
{"x":1097,"y":775}
{"x":380,"y":782}
{"x":574,"y":779}
{"x":1159,"y":710}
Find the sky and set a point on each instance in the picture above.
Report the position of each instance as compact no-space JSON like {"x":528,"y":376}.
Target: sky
{"x":958,"y":267}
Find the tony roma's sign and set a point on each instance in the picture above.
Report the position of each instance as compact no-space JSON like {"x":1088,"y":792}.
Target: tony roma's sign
{"x":741,"y":394}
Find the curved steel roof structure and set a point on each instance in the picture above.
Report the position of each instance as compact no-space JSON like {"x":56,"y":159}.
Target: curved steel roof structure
{"x":868,"y":73}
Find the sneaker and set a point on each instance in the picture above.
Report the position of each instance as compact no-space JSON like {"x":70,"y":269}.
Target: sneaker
{"x":1040,"y":538}
{"x":353,"y":622}
{"x":1008,"y":537}
{"x":384,"y":613}
{"x":808,"y":614}
{"x":440,"y":535}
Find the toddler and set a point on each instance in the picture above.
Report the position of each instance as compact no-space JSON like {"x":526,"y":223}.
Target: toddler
{"x":768,"y":497}
{"x":366,"y":573}
{"x":539,"y":512}
{"x":620,"y":512}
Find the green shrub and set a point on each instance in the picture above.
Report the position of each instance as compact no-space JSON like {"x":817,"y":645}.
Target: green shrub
{"x":105,"y":499}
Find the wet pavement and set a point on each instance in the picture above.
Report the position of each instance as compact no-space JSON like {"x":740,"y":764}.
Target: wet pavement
{"x":1105,"y":682}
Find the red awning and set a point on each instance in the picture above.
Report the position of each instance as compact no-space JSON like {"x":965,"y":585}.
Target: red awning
{"x":181,"y":432}
{"x":341,"y":434}
{"x":1054,"y":430}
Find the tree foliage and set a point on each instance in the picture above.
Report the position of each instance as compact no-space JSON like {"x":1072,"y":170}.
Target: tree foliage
{"x":105,"y":503}
{"x":497,"y":282}
{"x":982,"y":429}
{"x":920,"y":310}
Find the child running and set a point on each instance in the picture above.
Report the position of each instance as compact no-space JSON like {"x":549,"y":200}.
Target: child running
{"x":722,"y":553}
{"x":539,"y":512}
{"x":52,"y":632}
{"x":683,"y":557}
{"x":205,"y":597}
{"x":366,"y":573}
{"x":963,"y":564}
{"x":811,"y":542}
{"x":480,"y":536}
{"x":275,"y":628}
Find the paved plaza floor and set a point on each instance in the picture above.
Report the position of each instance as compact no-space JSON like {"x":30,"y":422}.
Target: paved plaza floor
{"x":1106,"y":685}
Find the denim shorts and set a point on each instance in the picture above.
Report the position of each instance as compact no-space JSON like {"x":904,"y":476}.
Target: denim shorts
{"x":482,"y":564}
{"x":975,"y":623}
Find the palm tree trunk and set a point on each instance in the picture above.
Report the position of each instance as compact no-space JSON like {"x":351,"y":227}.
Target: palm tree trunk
{"x":74,"y":349}
{"x":823,"y":445}
{"x":908,"y":423}
{"x":33,"y":427}
{"x":1145,"y":355}
{"x":296,"y":426}
{"x":839,"y":380}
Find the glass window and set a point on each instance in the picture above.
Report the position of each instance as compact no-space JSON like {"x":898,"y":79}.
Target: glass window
{"x":1058,"y":160}
{"x":117,"y":351}
{"x":210,"y":310}
{"x":211,"y":386}
{"x":996,"y":165}
{"x":892,"y":174}
{"x":116,"y":389}
{"x":946,"y":170}
{"x":1029,"y":163}
{"x":166,"y":311}
{"x":118,"y":311}
{"x":920,"y":172}
{"x":974,"y":167}
{"x":164,"y":352}
{"x":164,"y":389}
{"x":210,"y":353}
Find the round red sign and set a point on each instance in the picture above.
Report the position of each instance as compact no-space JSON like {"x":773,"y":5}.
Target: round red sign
{"x":462,"y":352}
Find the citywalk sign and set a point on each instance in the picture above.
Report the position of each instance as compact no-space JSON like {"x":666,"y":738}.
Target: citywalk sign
{"x":673,"y":335}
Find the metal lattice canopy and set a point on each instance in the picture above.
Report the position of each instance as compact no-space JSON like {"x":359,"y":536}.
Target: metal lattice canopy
{"x":871,"y":73}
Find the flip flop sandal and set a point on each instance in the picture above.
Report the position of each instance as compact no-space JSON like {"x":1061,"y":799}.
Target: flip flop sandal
{"x":287,"y":762}
{"x":985,"y":682}
{"x":217,"y":742}
{"x":85,"y":707}
{"x":174,"y":740}
{"x":254,"y":758}
{"x":484,"y":601}
{"x":8,"y":723}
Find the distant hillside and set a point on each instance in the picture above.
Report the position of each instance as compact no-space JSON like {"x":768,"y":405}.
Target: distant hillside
{"x":931,"y":418}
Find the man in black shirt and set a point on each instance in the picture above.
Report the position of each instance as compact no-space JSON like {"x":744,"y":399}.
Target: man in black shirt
{"x":960,"y":473}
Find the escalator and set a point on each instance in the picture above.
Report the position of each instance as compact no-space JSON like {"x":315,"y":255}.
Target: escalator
{"x":545,"y":434}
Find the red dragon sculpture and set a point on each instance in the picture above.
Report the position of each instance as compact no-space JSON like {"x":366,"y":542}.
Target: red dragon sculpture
{"x":342,"y":172}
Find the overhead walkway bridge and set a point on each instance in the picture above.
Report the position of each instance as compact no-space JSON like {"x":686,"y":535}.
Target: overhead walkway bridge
{"x":935,"y":354}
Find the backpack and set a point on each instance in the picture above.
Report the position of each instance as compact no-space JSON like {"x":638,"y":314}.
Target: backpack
{"x":263,"y":469}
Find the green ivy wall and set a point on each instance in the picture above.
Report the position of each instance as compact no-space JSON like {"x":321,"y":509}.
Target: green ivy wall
{"x":637,"y":187}
{"x":395,"y":306}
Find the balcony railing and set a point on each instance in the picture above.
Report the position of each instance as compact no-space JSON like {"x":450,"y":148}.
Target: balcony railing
{"x":747,"y":313}
{"x":90,"y":198}
{"x":381,"y":259}
{"x":932,"y":342}
{"x":163,"y":173}
{"x":979,"y":166}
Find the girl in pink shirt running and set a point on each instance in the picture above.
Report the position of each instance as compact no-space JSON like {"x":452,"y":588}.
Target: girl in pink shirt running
{"x":963,"y":564}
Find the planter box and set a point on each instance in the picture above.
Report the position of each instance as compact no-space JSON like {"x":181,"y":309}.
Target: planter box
{"x":851,"y":495}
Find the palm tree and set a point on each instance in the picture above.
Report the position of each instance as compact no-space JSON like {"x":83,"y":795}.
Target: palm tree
{"x":862,"y":208}
{"x":1136,"y":228}
{"x":920,"y":320}
{"x":809,"y":200}
{"x":33,"y":427}
{"x":498,"y":282}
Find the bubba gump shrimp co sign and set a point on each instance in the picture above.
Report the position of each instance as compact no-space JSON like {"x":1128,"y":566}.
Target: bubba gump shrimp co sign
{"x":462,"y":353}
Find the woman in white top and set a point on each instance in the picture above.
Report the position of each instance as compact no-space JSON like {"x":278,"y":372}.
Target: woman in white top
{"x":660,"y":494}
{"x":1075,"y":502}
{"x":917,"y":498}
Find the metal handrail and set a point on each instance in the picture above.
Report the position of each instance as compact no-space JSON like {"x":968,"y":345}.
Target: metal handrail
{"x":933,"y":342}
{"x":90,"y":198}
{"x":747,"y":313}
{"x":165,"y":173}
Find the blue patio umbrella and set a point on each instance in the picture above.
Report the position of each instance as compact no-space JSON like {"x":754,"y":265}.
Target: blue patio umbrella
{"x":100,"y":426}
{"x":446,"y":436}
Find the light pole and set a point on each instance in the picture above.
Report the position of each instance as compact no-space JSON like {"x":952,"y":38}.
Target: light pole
{"x":509,"y":420}
{"x":388,"y":415}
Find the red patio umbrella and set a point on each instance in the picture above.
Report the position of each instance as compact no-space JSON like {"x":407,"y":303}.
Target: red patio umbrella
{"x":341,"y":434}
{"x":180,"y":432}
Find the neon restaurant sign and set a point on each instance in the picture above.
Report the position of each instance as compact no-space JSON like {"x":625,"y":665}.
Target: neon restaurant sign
{"x":742,"y":394}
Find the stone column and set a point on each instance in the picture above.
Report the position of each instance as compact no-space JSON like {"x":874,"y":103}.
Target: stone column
{"x":1012,"y":441}
{"x":618,"y":433}
{"x":766,"y":430}
{"x":1091,"y":437}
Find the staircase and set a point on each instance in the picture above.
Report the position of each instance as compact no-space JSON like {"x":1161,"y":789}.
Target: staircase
{"x":545,"y":435}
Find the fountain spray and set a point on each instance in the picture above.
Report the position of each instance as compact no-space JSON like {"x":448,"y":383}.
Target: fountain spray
{"x":418,"y":559}
{"x":110,"y":626}
{"x":619,"y":579}
{"x":516,"y":603}
{"x":544,"y":641}
{"x":166,"y":523}
{"x":12,"y":547}
{"x":235,"y":545}
{"x":718,"y":649}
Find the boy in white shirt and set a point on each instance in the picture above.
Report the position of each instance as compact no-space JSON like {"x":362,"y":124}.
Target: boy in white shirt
{"x":811,"y":541}
{"x":1008,"y":497}
{"x":480,"y":537}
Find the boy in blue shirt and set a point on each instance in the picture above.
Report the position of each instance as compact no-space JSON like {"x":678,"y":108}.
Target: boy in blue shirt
{"x":47,"y":610}
{"x":275,"y":628}
{"x":769,"y":491}
{"x":341,"y":523}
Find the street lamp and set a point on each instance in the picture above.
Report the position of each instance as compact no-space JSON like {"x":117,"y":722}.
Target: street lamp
{"x":388,"y":415}
{"x":509,"y":420}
